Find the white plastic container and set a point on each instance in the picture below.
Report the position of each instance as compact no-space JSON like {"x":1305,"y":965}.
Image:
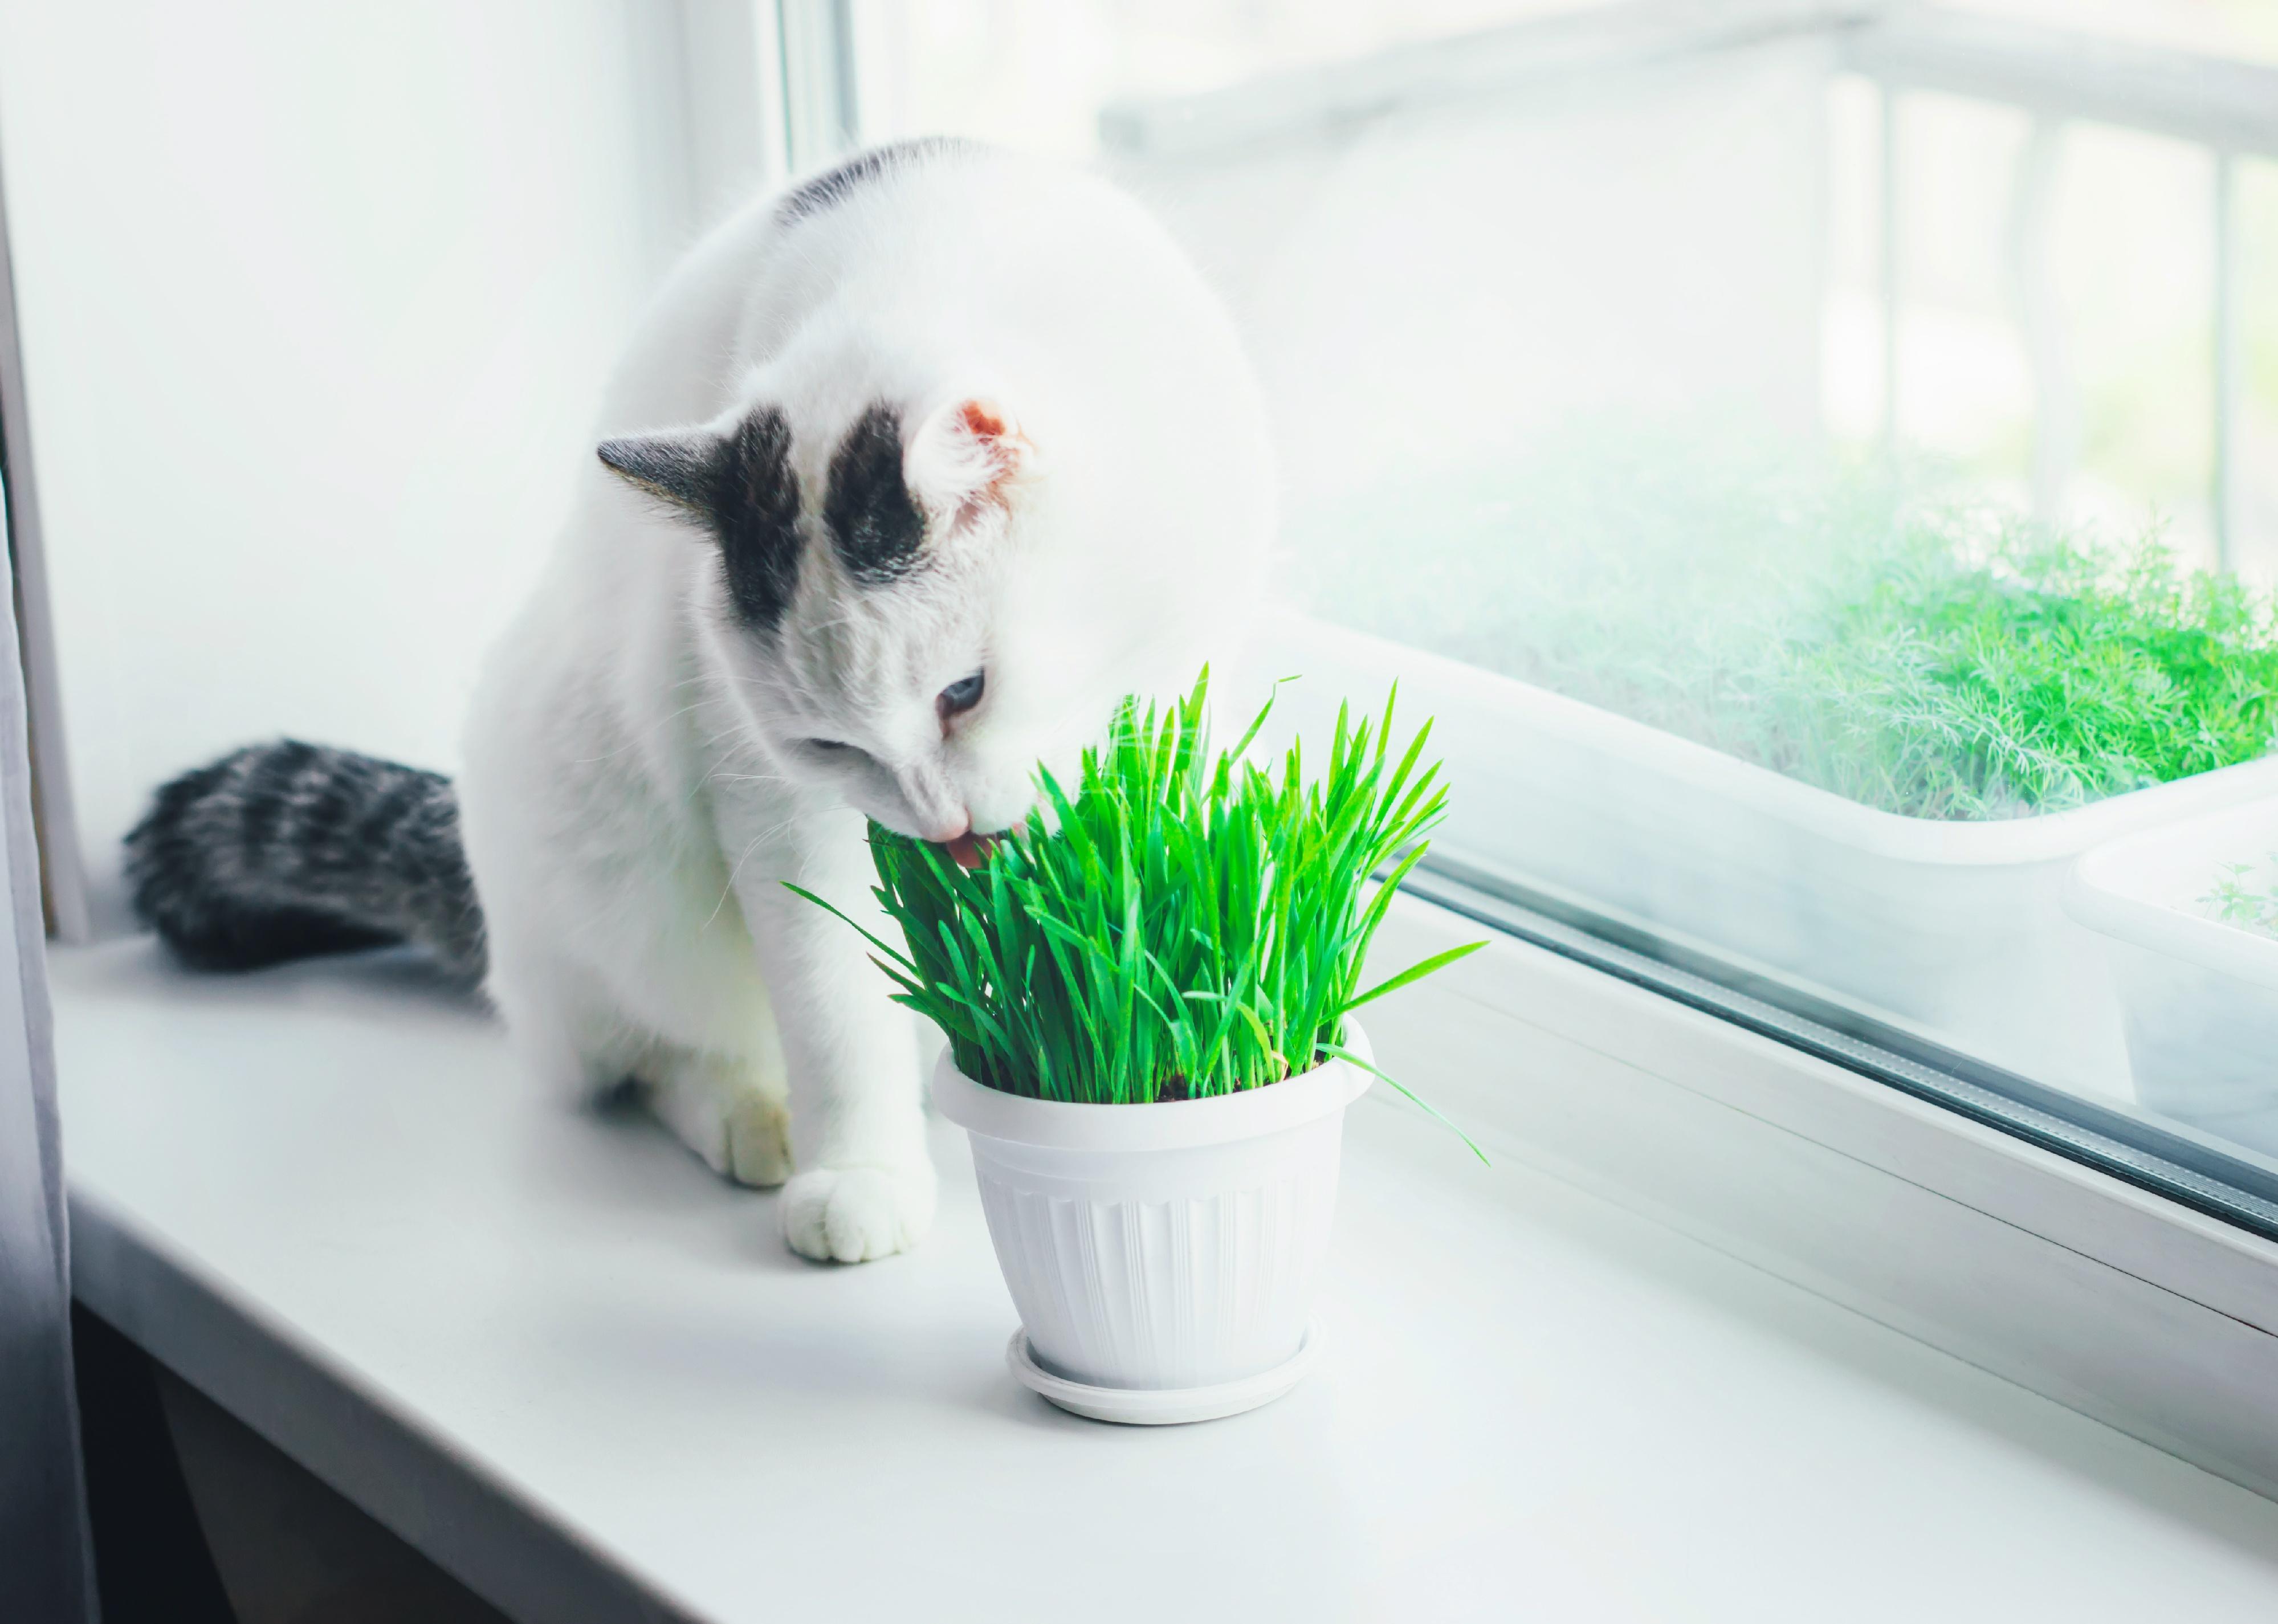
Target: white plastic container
{"x":2200,"y":997}
{"x":1956,"y":929}
{"x":1164,"y":1258}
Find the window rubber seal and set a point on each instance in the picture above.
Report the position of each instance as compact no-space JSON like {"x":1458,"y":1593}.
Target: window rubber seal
{"x":2195,"y":1175}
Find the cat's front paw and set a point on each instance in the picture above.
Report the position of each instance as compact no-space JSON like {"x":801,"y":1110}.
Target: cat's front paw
{"x":720,"y":1110}
{"x":758,"y":1141}
{"x":853,"y":1214}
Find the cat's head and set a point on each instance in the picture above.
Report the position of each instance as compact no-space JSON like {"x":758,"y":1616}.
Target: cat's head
{"x":919,"y":595}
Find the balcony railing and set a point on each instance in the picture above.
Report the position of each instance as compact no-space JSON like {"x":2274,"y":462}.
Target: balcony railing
{"x":2056,"y":78}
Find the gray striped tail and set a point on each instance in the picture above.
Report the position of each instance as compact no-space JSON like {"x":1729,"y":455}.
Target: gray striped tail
{"x":281,"y":850}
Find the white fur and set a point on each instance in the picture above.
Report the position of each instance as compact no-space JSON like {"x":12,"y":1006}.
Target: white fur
{"x":637,"y":787}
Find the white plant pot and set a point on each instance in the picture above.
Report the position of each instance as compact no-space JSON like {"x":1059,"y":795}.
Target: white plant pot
{"x":1957,"y":930}
{"x":2199,"y":998}
{"x":1163,"y":1258}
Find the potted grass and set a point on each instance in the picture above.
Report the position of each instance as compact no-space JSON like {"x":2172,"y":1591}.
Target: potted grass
{"x":1149,"y":990}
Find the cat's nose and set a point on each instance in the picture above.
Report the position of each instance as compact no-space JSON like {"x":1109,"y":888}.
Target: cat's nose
{"x":967,"y":849}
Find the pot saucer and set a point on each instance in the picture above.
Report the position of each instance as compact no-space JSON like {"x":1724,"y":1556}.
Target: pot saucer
{"x":1160,"y":1406}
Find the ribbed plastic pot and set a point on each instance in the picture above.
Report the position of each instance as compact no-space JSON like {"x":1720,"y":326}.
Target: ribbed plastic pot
{"x":1175,"y":1245}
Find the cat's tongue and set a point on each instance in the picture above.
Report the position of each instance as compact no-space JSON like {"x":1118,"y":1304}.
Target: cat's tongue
{"x":970,"y":851}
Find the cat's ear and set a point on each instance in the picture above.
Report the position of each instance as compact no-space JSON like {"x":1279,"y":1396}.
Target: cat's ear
{"x":680,"y":467}
{"x":966,"y":462}
{"x":738,"y":485}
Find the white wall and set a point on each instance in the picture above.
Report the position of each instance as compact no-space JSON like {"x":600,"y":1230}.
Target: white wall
{"x":317,"y":303}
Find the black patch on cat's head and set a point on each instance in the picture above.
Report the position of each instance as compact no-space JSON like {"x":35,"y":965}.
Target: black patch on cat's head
{"x":738,"y":486}
{"x":831,"y":188}
{"x":873,"y":523}
{"x":757,"y":518}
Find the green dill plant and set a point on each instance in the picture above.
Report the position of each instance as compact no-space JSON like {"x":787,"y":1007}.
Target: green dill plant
{"x":2237,"y":899}
{"x":1176,"y":924}
{"x":1832,"y":623}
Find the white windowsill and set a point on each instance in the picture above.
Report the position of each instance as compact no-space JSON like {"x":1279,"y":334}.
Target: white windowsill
{"x":556,"y":1355}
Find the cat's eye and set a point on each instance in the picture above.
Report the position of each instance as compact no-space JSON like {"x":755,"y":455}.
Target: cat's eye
{"x":961,"y":696}
{"x":832,"y":747}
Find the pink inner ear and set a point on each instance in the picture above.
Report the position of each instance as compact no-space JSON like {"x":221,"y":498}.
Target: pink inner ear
{"x":980,"y":422}
{"x":966,"y":460}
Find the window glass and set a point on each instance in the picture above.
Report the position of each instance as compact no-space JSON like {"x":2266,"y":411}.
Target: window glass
{"x":2255,"y":280}
{"x":1037,"y":73}
{"x":1803,"y":481}
{"x":2243,"y":30}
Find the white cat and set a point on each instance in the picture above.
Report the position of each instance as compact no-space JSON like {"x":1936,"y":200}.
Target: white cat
{"x":908,"y":476}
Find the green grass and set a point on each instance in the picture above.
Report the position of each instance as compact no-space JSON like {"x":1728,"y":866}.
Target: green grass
{"x":1176,"y":924}
{"x":1929,"y":660}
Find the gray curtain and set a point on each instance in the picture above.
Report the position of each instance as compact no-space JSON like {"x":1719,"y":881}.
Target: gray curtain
{"x":47,"y":1569}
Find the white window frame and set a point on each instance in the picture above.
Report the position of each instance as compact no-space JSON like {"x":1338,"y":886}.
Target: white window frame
{"x":2083,"y":1287}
